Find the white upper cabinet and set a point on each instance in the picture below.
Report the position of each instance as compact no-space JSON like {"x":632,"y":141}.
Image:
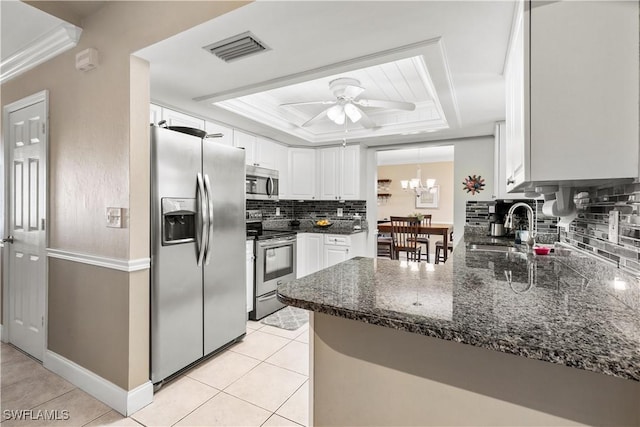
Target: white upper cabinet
{"x":155,"y":114}
{"x":572,"y":93}
{"x":340,"y":173}
{"x":214,"y":128}
{"x":302,"y":173}
{"x":281,"y":164}
{"x":176,"y":118}
{"x":248,"y":142}
{"x":329,"y":168}
{"x":266,"y":153}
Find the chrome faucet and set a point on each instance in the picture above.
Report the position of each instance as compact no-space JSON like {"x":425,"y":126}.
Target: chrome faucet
{"x":533,"y":223}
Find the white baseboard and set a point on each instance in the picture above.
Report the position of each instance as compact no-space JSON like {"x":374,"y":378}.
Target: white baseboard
{"x":123,"y":401}
{"x":2,"y":337}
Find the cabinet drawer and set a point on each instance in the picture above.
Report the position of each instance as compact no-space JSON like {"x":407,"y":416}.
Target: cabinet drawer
{"x":337,"y":240}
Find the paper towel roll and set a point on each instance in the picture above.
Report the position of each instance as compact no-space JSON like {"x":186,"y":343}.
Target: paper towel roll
{"x":549,"y":208}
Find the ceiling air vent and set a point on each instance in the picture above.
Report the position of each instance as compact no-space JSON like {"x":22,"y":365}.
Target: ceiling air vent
{"x":237,"y":47}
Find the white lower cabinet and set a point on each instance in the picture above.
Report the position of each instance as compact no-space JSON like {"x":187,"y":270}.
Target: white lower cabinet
{"x":336,"y":249}
{"x":249,"y":266}
{"x":317,"y":251}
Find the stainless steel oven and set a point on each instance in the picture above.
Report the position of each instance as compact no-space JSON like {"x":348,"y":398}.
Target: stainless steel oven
{"x":261,"y":183}
{"x":275,"y":264}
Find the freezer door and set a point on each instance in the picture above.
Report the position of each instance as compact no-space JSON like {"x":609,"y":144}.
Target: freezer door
{"x":176,"y":280}
{"x":225,"y":302}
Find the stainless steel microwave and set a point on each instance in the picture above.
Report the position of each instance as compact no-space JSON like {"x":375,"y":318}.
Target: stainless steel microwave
{"x":261,"y":183}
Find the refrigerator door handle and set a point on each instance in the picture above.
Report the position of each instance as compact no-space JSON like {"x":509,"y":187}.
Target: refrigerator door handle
{"x":202,"y":211}
{"x":207,"y":186}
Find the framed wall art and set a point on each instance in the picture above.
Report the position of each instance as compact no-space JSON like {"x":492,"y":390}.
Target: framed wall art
{"x":428,"y":199}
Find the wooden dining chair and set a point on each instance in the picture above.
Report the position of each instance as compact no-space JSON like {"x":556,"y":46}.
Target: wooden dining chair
{"x":440,"y":248}
{"x":423,"y":239}
{"x":404,"y":234}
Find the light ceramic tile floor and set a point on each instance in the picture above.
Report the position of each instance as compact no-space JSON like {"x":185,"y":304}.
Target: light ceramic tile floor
{"x":262,"y":381}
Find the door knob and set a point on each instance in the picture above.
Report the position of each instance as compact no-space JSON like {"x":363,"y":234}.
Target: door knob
{"x":9,"y":239}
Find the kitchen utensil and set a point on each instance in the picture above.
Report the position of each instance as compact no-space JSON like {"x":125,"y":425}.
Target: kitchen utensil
{"x":496,"y":229}
{"x":541,"y":250}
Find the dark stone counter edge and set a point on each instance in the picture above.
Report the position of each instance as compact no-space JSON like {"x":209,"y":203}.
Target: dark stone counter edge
{"x":531,"y":352}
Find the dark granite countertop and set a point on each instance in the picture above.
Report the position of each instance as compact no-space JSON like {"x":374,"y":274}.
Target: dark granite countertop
{"x":306,"y":226}
{"x":566,"y":309}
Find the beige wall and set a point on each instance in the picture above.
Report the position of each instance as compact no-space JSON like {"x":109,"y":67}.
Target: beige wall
{"x":98,"y":158}
{"x":403,"y":202}
{"x":366,"y":375}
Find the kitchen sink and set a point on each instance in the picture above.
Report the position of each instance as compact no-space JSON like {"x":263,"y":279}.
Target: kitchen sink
{"x":491,"y":248}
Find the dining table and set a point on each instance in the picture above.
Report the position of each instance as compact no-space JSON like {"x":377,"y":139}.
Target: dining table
{"x":438,"y":229}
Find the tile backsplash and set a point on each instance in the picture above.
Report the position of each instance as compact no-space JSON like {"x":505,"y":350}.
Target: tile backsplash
{"x":590,"y":230}
{"x":477,"y":214}
{"x":290,"y":209}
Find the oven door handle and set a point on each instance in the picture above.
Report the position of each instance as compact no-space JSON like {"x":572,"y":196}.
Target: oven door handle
{"x":267,"y":297}
{"x":271,"y":243}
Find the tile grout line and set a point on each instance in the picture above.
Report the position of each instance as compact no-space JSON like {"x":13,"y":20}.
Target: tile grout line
{"x":283,"y":403}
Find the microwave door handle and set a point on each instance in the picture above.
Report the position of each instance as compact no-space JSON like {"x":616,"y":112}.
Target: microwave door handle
{"x":269,"y":186}
{"x":207,"y":187}
{"x":202,"y":211}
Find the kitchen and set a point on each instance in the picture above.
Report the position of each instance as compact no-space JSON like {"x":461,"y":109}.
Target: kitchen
{"x":127,"y":242}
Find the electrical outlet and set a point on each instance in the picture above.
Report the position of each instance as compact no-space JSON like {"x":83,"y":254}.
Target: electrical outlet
{"x":277,"y":211}
{"x":339,"y":213}
{"x":114,"y":217}
{"x":614,"y":219}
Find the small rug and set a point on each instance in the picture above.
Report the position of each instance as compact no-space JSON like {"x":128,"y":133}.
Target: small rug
{"x":289,"y":318}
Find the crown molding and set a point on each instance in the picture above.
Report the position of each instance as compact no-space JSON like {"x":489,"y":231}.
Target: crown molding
{"x":60,"y":39}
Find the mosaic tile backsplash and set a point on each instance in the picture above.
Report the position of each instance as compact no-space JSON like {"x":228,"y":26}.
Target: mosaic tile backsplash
{"x":590,"y":230}
{"x":291,"y":209}
{"x":477,"y":214}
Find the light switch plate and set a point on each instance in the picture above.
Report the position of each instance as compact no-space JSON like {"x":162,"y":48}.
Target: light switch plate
{"x":614,"y":219}
{"x":339,"y":213}
{"x":278,"y":211}
{"x":114,"y":217}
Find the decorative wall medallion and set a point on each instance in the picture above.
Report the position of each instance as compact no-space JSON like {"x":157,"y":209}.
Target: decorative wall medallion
{"x":473,"y":184}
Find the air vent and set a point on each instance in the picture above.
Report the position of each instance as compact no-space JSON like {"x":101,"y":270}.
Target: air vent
{"x":237,"y":47}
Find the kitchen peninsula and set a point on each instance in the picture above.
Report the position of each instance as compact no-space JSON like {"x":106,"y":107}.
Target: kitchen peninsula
{"x":489,"y":338}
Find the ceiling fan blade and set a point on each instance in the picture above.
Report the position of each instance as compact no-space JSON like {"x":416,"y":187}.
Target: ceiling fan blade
{"x":365,"y":120}
{"x":290,"y":104}
{"x":377,"y":103}
{"x":314,"y":118}
{"x":351,"y":92}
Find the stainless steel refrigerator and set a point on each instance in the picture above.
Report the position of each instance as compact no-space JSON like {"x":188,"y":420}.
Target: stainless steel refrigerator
{"x":198,"y":287}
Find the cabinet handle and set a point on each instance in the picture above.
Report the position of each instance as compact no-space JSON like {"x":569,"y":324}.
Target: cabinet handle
{"x":511,"y":181}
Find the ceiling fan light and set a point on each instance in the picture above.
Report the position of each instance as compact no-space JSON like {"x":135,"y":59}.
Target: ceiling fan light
{"x":353,"y":112}
{"x":336,"y":114}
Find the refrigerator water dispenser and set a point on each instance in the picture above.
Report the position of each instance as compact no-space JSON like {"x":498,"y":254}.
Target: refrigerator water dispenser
{"x":178,"y":221}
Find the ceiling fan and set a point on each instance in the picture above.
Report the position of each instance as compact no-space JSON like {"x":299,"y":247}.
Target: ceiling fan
{"x":347,"y":104}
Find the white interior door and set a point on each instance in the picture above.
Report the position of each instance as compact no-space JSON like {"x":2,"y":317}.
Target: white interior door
{"x":26,"y":242}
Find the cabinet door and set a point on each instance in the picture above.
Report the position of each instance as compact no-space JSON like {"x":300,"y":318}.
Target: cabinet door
{"x":301,"y":255}
{"x":266,"y":153}
{"x":335,"y":254}
{"x":248,"y":142}
{"x":350,"y":173}
{"x":584,"y":90}
{"x":302,"y":173}
{"x":313,"y":253}
{"x":175,"y":118}
{"x":214,"y":128}
{"x":249,"y":267}
{"x":155,"y":114}
{"x":281,"y":155}
{"x":515,"y":105}
{"x":330,"y":173}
